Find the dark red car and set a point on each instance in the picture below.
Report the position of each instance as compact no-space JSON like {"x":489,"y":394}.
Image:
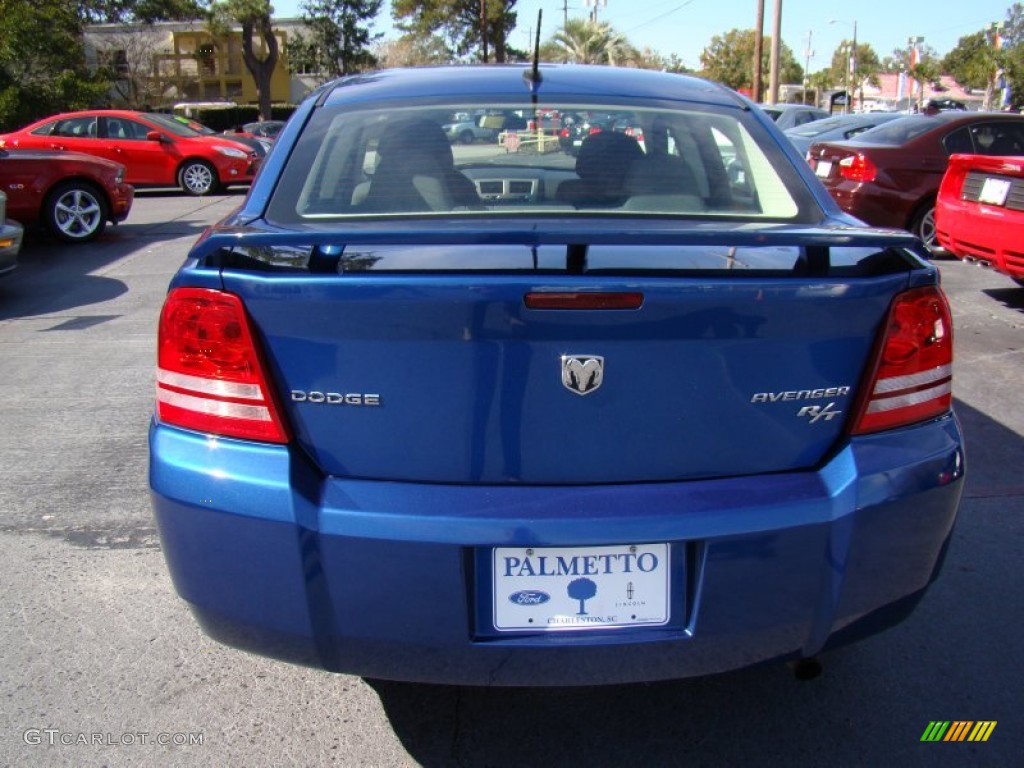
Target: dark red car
{"x":71,"y":195}
{"x":889,"y":176}
{"x":157,"y":150}
{"x":980,"y":212}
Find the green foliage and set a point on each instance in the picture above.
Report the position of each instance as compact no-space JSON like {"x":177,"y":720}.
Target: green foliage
{"x":42,"y":64}
{"x":458,"y":23}
{"x":582,"y":41}
{"x":414,"y":51}
{"x":729,"y":60}
{"x":255,"y":18}
{"x":971,"y":62}
{"x":115,"y":11}
{"x":340,"y":38}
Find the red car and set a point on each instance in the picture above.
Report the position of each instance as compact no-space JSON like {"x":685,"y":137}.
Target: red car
{"x":69,"y":194}
{"x":980,"y":212}
{"x":157,"y":150}
{"x":889,"y":175}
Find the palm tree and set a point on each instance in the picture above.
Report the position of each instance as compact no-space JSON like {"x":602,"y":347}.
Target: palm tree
{"x":582,"y":41}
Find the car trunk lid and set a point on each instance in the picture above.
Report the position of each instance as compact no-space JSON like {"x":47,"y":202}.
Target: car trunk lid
{"x":511,"y":372}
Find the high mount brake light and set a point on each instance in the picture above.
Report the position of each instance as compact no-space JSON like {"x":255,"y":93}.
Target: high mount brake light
{"x":913,"y":374}
{"x":857,"y":168}
{"x":210,"y":374}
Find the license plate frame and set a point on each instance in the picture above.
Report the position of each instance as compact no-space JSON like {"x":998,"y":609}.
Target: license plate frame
{"x":823,"y":169}
{"x":622,"y":586}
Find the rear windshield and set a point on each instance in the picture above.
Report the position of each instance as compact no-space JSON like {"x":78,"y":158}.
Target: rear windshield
{"x":899,"y":131}
{"x":465,"y":160}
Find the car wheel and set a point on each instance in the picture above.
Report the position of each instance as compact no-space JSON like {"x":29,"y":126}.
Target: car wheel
{"x":923,"y":226}
{"x":198,"y":177}
{"x":466,"y":137}
{"x":75,"y":212}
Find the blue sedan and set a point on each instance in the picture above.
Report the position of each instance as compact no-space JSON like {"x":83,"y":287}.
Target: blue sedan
{"x":511,"y":415}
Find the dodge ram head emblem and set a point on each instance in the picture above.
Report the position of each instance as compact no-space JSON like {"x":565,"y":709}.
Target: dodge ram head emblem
{"x":582,"y":374}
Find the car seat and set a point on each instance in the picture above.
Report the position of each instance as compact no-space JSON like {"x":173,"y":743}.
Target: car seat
{"x":603,"y":161}
{"x":660,"y":182}
{"x":416,"y":172}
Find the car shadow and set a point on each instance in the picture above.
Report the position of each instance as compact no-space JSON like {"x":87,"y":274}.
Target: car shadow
{"x":54,"y":277}
{"x":887,"y":688}
{"x":1011,"y":297}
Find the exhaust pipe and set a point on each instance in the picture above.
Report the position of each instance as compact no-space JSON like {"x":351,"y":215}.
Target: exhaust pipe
{"x":806,"y":669}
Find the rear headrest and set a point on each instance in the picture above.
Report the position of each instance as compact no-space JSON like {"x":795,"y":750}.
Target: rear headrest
{"x":415,"y":143}
{"x":606,"y":155}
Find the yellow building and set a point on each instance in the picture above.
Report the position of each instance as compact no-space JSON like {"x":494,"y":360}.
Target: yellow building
{"x":161,"y":64}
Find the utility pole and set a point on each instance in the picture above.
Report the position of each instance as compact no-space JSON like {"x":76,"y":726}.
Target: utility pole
{"x":758,"y":49}
{"x":483,"y":27}
{"x":808,"y":53}
{"x":773,"y":61}
{"x":595,"y":4}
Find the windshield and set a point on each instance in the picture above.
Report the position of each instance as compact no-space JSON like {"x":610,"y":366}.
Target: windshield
{"x":817,"y":127}
{"x":172,"y":125}
{"x":464,"y":160}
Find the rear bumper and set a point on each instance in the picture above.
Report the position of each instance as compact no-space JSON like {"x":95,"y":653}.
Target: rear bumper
{"x":989,"y":234}
{"x":872,"y":205}
{"x":386,"y":580}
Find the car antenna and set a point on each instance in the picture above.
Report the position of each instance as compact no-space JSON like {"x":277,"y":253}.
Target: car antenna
{"x":533,"y":75}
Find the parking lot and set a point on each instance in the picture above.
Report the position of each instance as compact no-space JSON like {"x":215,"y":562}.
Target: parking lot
{"x":101,"y":664}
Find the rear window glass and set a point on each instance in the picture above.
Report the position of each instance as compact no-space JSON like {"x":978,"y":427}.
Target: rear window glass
{"x":469,"y":160}
{"x":899,"y":131}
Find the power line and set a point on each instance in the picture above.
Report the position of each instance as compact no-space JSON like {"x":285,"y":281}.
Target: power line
{"x":659,"y":17}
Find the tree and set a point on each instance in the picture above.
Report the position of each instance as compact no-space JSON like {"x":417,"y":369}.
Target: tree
{"x":650,"y":59}
{"x":254,"y":16}
{"x":339,"y":35}
{"x":466,"y":26}
{"x":971,"y":62}
{"x":146,"y":11}
{"x":727,"y":60}
{"x":582,"y":41}
{"x":582,"y":589}
{"x":42,"y":64}
{"x":126,"y":62}
{"x":412,"y":51}
{"x":868,"y":66}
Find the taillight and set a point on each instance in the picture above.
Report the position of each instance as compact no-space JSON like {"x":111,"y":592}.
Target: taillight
{"x":857,"y":168}
{"x":594,"y":129}
{"x":210,"y":374}
{"x":913,"y":374}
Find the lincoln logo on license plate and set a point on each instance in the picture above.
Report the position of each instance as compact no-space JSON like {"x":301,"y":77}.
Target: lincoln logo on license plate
{"x":582,"y":374}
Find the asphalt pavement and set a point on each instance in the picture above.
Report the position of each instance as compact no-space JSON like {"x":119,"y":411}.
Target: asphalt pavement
{"x":102,"y":665}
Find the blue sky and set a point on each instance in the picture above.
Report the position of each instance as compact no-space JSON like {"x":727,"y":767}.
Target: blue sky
{"x":685,"y":27}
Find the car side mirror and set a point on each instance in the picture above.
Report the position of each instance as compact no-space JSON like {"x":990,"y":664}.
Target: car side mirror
{"x":156,"y":136}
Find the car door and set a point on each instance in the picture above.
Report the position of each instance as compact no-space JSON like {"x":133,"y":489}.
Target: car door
{"x":69,"y":134}
{"x":148,"y":161}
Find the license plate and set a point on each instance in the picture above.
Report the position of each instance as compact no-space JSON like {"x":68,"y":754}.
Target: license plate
{"x":994,"y":191}
{"x":554,"y":588}
{"x":823,"y":169}
{"x":577,"y":142}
